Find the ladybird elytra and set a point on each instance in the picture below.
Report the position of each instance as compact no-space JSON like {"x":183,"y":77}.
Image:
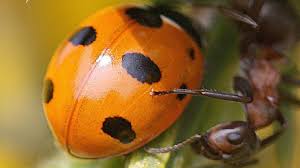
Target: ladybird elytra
{"x":103,"y":75}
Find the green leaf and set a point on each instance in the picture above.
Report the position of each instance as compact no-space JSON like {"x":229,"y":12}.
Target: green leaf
{"x":63,"y":160}
{"x":142,"y":159}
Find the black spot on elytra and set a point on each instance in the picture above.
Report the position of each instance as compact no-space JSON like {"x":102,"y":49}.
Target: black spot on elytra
{"x":191,"y":53}
{"x":119,"y":128}
{"x":182,"y":96}
{"x":141,"y":67}
{"x":145,"y":17}
{"x":85,"y":36}
{"x":48,"y":91}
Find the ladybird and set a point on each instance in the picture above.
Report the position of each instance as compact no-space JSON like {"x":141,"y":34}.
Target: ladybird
{"x":97,"y":89}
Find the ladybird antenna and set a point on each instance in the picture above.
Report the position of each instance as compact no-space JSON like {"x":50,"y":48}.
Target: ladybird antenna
{"x":173,"y":148}
{"x":207,"y":93}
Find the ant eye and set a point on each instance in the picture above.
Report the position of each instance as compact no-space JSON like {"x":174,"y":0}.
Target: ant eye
{"x":235,"y":138}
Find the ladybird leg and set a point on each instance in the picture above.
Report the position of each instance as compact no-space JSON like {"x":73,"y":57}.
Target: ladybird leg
{"x":175,"y":147}
{"x":205,"y":92}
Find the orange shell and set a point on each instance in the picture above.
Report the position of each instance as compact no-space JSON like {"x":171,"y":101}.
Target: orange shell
{"x":89,"y":83}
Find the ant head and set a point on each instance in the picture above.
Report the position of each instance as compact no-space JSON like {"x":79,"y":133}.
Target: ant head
{"x":277,"y":24}
{"x":229,"y":142}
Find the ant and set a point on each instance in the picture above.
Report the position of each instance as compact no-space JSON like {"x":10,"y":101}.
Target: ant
{"x":256,"y":86}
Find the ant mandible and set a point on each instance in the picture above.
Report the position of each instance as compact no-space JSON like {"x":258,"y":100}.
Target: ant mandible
{"x":236,"y":142}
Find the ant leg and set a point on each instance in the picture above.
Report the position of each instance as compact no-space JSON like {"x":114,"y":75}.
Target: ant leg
{"x":289,"y":98}
{"x":213,"y":165}
{"x":238,"y":16}
{"x":290,"y":80}
{"x":250,"y":162}
{"x":256,"y":7}
{"x":205,"y":92}
{"x":173,"y":148}
{"x":229,"y":12}
{"x":266,"y":142}
{"x":246,"y":163}
{"x":242,"y":86}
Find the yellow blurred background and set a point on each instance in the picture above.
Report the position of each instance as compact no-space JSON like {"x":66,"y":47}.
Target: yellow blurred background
{"x":30,"y":32}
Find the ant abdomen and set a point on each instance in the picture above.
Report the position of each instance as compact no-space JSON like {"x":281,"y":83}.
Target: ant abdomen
{"x":231,"y":142}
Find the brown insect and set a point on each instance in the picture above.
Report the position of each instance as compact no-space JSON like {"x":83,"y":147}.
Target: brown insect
{"x":236,"y":142}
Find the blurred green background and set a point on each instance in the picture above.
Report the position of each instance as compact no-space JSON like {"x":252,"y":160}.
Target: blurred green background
{"x":30,"y":32}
